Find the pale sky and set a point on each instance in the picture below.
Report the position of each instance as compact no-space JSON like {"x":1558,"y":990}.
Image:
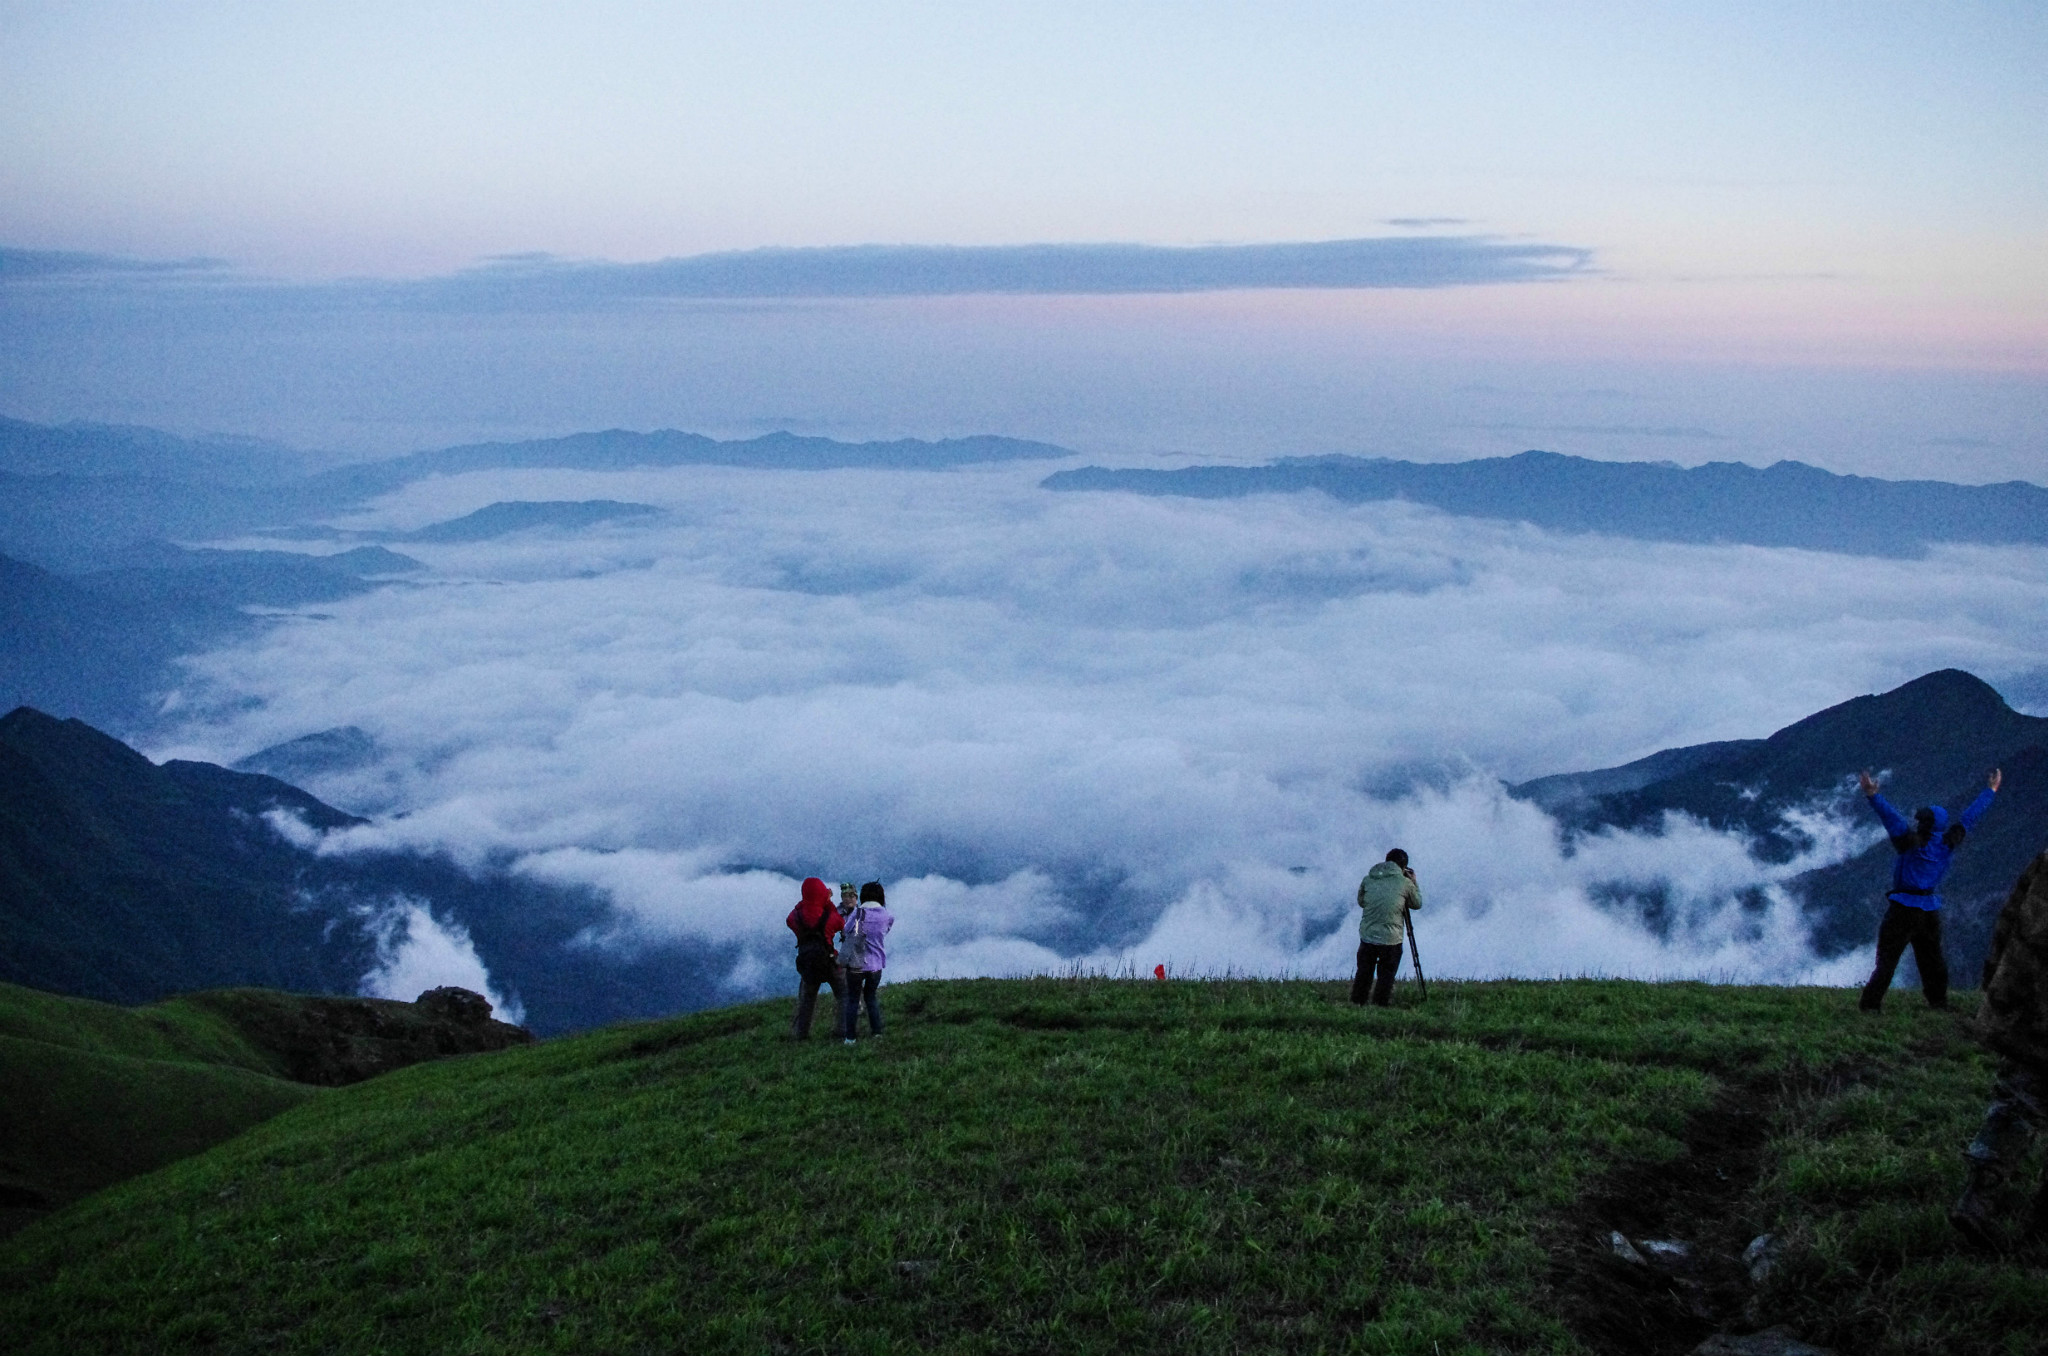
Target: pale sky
{"x":1435,"y":230}
{"x":1816,"y":187}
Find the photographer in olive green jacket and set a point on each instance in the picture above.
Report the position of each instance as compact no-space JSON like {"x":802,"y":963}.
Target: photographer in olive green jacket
{"x":1384,"y":898}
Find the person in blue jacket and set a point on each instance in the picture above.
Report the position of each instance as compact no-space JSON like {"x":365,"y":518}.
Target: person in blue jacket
{"x":1913,"y":904}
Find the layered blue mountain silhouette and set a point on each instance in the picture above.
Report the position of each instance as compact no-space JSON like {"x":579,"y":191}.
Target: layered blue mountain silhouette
{"x":99,"y":644}
{"x":1788,"y":504}
{"x":506,"y":517}
{"x":69,"y":495}
{"x":621,"y":450}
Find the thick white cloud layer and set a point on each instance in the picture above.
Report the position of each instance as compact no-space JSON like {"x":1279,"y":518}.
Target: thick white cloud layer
{"x":1091,"y":729}
{"x":417,"y":952}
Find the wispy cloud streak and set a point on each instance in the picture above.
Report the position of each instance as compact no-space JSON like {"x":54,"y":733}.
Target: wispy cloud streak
{"x":854,"y":271}
{"x":31,"y":266}
{"x":1073,"y":269}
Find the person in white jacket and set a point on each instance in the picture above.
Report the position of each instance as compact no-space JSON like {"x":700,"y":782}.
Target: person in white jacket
{"x":862,"y":950}
{"x":1384,"y":898}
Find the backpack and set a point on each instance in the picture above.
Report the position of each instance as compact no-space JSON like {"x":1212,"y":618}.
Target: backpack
{"x":815,"y":960}
{"x":853,"y":939}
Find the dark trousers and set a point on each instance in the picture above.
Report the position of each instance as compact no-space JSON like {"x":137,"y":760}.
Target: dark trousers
{"x":860,"y":989}
{"x":1376,"y":966}
{"x":1922,"y":928}
{"x":807,"y":1001}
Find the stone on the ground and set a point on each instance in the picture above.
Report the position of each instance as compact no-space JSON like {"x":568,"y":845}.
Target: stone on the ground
{"x":1761,"y":1257}
{"x":1618,"y":1244}
{"x":455,"y":1004}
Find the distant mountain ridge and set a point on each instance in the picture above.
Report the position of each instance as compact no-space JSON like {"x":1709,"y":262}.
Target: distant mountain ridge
{"x":28,"y":449}
{"x":1787,"y":504}
{"x":69,"y":495}
{"x":509,"y":516}
{"x":100,"y":644}
{"x":623,"y":450}
{"x":70,"y":649}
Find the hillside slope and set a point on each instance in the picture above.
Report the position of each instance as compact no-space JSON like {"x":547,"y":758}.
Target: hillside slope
{"x":127,"y":881}
{"x":96,"y":1094}
{"x":1086,"y":1165}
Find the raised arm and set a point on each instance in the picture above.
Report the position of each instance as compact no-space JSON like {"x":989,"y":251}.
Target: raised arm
{"x":1969,"y":817}
{"x":1895,"y":824}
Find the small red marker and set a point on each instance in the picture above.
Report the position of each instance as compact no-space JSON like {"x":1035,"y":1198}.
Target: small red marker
{"x":1159,"y":972}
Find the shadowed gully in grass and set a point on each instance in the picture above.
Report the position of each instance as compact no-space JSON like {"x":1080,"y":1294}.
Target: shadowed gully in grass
{"x":1085,"y":1164}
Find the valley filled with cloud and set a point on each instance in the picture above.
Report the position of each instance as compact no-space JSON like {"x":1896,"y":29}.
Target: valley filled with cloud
{"x":1091,"y":730}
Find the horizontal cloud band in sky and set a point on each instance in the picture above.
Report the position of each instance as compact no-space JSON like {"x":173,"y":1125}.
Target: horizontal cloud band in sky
{"x":948,"y":270}
{"x":913,"y":270}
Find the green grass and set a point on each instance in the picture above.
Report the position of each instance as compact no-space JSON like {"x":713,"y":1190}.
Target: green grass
{"x":1080,"y":1165}
{"x":97,"y":1093}
{"x":188,"y":1029}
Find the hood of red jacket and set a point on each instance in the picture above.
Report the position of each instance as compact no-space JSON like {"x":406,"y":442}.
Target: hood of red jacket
{"x":817,"y":898}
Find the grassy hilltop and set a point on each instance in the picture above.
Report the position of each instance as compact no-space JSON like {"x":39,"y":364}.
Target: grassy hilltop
{"x":95,"y":1094}
{"x":1085,"y":1165}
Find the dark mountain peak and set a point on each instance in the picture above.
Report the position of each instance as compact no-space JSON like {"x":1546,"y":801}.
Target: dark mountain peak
{"x":1786,"y":469}
{"x":69,"y":750}
{"x":87,"y":768}
{"x":1948,"y":709}
{"x":123,"y":880}
{"x":1951,"y":686}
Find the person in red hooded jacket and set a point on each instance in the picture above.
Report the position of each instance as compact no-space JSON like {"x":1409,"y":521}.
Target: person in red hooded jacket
{"x":816,"y":922}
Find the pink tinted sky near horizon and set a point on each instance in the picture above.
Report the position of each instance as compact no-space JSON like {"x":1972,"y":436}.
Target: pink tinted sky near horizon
{"x":1846,"y":201}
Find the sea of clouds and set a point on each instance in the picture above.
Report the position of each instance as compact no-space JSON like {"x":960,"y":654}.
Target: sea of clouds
{"x":1089,"y":730}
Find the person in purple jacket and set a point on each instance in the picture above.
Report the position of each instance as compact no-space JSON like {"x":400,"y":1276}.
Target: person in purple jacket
{"x":1913,"y":913}
{"x":861,"y":949}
